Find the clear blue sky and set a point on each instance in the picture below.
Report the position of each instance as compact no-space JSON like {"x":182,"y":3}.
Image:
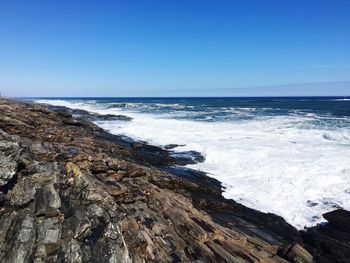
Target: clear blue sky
{"x":174,"y":48}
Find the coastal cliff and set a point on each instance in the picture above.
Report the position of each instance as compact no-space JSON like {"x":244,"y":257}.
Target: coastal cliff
{"x":72,"y":192}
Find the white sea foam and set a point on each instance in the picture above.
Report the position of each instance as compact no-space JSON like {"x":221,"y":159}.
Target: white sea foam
{"x":345,"y":99}
{"x":268,"y":164}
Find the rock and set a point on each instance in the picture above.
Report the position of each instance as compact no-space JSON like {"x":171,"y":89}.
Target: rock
{"x":72,"y":192}
{"x":23,"y":192}
{"x":47,"y":201}
{"x":17,"y":237}
{"x":330,"y":242}
{"x":73,"y":254}
{"x":40,"y":148}
{"x":189,"y":157}
{"x":86,"y":115}
{"x":26,"y":232}
{"x":8,"y":167}
{"x":161,"y":157}
{"x":111,"y":117}
{"x":73,"y":170}
{"x":9,"y":153}
{"x":26,"y":187}
{"x":172,"y":146}
{"x":298,"y":254}
{"x":339,"y":219}
{"x":49,"y":236}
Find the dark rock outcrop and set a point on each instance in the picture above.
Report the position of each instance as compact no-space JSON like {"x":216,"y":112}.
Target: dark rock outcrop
{"x":86,"y":115}
{"x":330,"y":242}
{"x":71,"y":192}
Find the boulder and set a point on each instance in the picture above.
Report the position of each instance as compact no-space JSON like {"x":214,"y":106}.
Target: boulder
{"x":339,"y":219}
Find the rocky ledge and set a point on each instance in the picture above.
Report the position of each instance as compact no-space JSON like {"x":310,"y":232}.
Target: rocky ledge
{"x":72,"y":192}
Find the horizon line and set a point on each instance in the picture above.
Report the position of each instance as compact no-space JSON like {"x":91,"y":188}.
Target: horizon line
{"x":173,"y":97}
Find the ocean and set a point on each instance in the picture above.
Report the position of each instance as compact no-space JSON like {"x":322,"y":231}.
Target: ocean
{"x":289,"y":156}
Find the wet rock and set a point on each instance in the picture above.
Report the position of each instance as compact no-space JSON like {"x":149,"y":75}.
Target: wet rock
{"x":86,"y":115}
{"x":172,"y":146}
{"x":311,"y":203}
{"x":330,"y":242}
{"x":111,"y":117}
{"x":340,"y":219}
{"x":160,"y":157}
{"x":328,"y":202}
{"x":189,"y":157}
{"x":98,"y":117}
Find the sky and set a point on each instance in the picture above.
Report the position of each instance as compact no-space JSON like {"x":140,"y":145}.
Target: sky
{"x":126,"y":48}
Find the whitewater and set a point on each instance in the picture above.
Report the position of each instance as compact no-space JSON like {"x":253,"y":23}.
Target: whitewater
{"x":285,"y":164}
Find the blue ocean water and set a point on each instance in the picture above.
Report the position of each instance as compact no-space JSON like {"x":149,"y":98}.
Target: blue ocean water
{"x":273,"y":154}
{"x":226,"y":109}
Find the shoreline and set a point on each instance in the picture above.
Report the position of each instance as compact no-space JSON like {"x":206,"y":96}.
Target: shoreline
{"x":284,"y":152}
{"x":108,"y":189}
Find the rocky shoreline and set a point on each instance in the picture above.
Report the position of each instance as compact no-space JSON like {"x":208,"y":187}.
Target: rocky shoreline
{"x":72,"y":192}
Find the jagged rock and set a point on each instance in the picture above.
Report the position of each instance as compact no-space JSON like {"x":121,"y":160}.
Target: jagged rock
{"x":90,"y":116}
{"x":23,"y":192}
{"x":73,"y":251}
{"x":298,"y":254}
{"x":172,"y":146}
{"x":47,"y":201}
{"x":330,"y":242}
{"x":49,"y":236}
{"x":17,"y":235}
{"x":340,"y":219}
{"x":72,"y":192}
{"x":9,"y":152}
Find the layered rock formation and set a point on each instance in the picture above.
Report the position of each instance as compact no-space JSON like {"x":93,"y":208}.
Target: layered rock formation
{"x":71,"y":192}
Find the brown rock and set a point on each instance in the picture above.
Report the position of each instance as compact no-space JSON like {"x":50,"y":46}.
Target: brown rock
{"x":299,"y":254}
